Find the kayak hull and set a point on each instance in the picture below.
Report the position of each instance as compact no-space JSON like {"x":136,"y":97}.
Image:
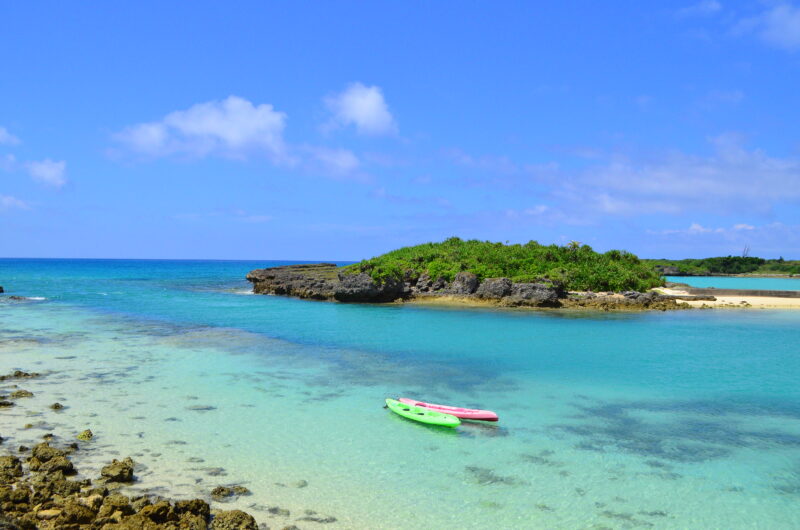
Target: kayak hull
{"x":458,"y":412}
{"x":422,"y":415}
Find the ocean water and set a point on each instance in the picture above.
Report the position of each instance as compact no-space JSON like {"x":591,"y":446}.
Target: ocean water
{"x":686,"y":419}
{"x":736,"y":282}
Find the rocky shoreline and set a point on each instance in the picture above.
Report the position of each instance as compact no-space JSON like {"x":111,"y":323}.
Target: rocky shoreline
{"x":41,"y":488}
{"x":326,"y":281}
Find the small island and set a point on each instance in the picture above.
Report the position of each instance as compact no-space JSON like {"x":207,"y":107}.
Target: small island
{"x":474,"y":272}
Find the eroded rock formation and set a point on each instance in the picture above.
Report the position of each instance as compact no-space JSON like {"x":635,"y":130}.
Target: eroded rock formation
{"x":326,"y":281}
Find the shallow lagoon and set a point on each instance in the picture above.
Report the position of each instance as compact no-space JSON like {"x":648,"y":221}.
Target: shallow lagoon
{"x":739,"y":282}
{"x":664,"y":420}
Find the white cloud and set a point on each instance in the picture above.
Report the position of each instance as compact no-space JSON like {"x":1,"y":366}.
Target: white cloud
{"x":233,"y":127}
{"x":48,"y":172}
{"x":702,"y":8}
{"x":778,"y":26}
{"x":8,"y":202}
{"x":361,"y":106}
{"x":6,"y":138}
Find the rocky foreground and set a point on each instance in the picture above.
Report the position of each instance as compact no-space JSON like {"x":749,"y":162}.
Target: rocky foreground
{"x":40,"y":489}
{"x":326,"y":281}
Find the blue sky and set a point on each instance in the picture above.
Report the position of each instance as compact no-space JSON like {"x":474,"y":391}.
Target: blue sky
{"x":340,"y":130}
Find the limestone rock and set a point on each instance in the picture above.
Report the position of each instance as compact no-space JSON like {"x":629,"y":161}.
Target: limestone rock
{"x":534,"y":294}
{"x":494,"y":288}
{"x":362,"y":288}
{"x":233,"y":520}
{"x":194,"y":507}
{"x":316,"y":281}
{"x":464,"y":283}
{"x":73,"y":513}
{"x":118,"y":471}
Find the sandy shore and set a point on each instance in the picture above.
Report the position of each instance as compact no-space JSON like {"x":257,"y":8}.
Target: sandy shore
{"x":728,"y":302}
{"x":746,"y":302}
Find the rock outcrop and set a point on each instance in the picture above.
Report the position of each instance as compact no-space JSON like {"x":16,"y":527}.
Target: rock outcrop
{"x":326,"y":281}
{"x":43,"y":497}
{"x":362,"y":288}
{"x":317,"y":281}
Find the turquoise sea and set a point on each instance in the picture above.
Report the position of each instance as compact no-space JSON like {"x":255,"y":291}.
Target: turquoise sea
{"x":739,"y":282}
{"x":685,"y":419}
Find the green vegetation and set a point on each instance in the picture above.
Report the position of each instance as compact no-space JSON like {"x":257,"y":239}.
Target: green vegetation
{"x":725,"y":265}
{"x":578,"y":266}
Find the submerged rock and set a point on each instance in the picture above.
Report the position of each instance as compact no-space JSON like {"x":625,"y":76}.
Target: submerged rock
{"x":21,"y":394}
{"x":241,"y":490}
{"x":85,"y":435}
{"x":221,"y":492}
{"x":19,"y":374}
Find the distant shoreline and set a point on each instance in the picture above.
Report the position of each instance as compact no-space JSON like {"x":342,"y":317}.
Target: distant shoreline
{"x":741,"y":275}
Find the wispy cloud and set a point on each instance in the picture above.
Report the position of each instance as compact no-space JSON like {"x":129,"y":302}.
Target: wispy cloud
{"x":732,"y":179}
{"x":715,"y":98}
{"x":703,"y":8}
{"x":778,"y":26}
{"x":6,"y":138}
{"x":233,"y":127}
{"x":8,"y":203}
{"x":336,"y":161}
{"x":489,"y":163}
{"x":49,"y":172}
{"x":237,"y":215}
{"x":765,"y":240}
{"x":362,"y":106}
{"x":8,"y":162}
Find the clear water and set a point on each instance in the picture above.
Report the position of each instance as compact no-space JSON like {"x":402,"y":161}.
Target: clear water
{"x":735,"y":282}
{"x":687,"y":419}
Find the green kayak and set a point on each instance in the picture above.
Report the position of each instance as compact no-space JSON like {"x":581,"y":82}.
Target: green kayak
{"x":422,"y":415}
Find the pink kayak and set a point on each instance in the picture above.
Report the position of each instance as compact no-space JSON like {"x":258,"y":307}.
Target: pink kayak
{"x":467,"y":414}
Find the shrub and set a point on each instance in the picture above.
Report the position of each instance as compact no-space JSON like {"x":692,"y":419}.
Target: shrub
{"x":578,"y":266}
